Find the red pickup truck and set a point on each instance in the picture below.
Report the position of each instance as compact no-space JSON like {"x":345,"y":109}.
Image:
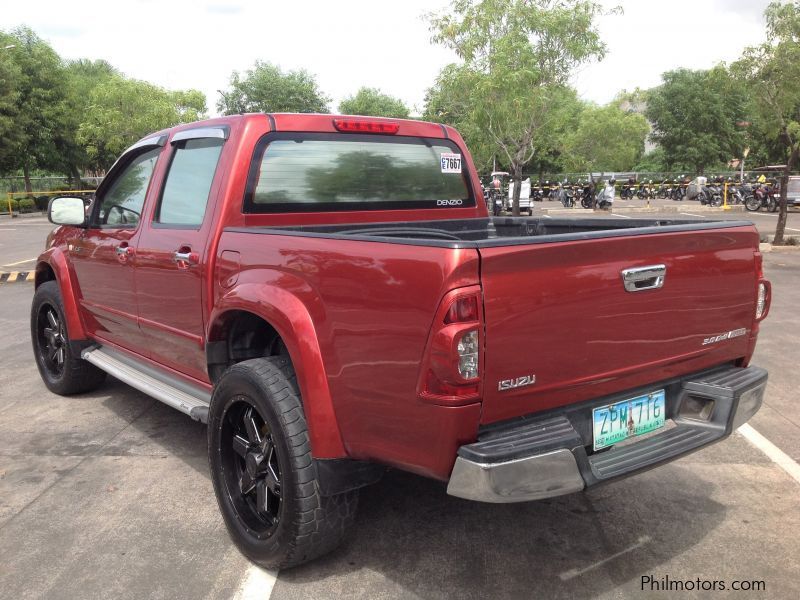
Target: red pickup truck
{"x":331,"y":296}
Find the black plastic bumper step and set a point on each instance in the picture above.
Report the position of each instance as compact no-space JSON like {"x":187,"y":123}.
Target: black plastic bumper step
{"x":644,"y":453}
{"x":522,"y":439}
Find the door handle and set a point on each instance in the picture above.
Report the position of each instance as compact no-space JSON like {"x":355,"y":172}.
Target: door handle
{"x":644,"y":278}
{"x":185,"y":258}
{"x":124,"y":252}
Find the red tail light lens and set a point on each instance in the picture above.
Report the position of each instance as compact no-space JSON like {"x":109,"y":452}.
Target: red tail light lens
{"x":359,"y":126}
{"x":463,"y":310}
{"x":451,"y":367}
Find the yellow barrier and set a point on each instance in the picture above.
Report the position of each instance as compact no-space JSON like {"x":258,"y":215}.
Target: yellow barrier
{"x":56,"y":193}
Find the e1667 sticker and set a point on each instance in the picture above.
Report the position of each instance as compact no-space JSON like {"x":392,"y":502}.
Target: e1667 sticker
{"x":451,"y":163}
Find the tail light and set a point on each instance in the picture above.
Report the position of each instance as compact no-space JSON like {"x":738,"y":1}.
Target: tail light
{"x":451,"y":368}
{"x":763,"y":290}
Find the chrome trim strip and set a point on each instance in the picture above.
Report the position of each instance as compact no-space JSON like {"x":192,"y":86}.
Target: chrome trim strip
{"x":531,"y":478}
{"x":155,"y":140}
{"x":220,"y":133}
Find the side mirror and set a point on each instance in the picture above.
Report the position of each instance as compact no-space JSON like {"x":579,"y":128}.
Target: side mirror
{"x":66,"y":211}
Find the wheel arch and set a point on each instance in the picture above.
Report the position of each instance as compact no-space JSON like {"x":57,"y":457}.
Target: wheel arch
{"x":53,"y":266}
{"x":281,"y":324}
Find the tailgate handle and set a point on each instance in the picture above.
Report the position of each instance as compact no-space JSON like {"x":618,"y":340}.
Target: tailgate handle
{"x":644,"y":278}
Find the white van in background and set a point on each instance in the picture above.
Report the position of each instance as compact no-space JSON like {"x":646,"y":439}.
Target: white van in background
{"x":525,"y":203}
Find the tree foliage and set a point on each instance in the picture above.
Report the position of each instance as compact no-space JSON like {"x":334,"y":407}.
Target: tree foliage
{"x":39,"y":104}
{"x":121,"y":111}
{"x":448,"y":101}
{"x":67,"y":117}
{"x":266,"y":88}
{"x":374,"y":103}
{"x":606,"y":139}
{"x":772,"y":74}
{"x":516,"y":58}
{"x":695,"y":116}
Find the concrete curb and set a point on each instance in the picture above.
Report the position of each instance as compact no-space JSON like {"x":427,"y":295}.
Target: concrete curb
{"x":16,"y":276}
{"x":769,"y":247}
{"x":644,"y":210}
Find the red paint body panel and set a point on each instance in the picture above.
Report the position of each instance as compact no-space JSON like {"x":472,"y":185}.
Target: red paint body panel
{"x":369,"y":308}
{"x":357,"y":316}
{"x":560,"y":311}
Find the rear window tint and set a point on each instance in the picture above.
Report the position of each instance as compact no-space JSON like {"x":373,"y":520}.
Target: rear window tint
{"x":320,"y":172}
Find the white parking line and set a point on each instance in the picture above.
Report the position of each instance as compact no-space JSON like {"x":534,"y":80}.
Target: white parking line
{"x":621,"y":216}
{"x":257,"y":584}
{"x":775,"y":454}
{"x":573,"y":573}
{"x":694,"y":215}
{"x":19,"y":262}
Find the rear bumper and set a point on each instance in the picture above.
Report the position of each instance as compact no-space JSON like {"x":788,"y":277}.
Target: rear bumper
{"x":550,"y":455}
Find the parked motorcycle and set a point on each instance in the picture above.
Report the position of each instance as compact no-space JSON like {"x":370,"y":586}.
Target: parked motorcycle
{"x":628,"y":191}
{"x":567,"y":196}
{"x":763,"y":197}
{"x":679,"y":189}
{"x":587,"y":195}
{"x":710,"y":194}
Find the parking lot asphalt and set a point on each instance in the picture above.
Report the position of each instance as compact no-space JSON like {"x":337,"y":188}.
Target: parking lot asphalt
{"x":107,"y":494}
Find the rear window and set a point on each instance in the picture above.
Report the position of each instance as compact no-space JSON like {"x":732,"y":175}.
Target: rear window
{"x":322,"y":172}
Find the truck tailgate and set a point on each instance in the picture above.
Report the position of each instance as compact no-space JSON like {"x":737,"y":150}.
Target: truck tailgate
{"x":560,"y":312}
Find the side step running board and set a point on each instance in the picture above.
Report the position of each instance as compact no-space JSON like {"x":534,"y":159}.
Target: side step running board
{"x":170,"y":390}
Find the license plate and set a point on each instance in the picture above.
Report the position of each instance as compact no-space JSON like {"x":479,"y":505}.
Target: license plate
{"x":617,"y":422}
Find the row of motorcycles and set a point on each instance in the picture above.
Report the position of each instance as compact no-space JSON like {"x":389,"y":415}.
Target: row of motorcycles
{"x":583,"y":193}
{"x":568,"y":194}
{"x":754,"y":196}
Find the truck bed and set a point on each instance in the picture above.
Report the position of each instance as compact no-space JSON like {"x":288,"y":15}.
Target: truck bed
{"x":555,"y":305}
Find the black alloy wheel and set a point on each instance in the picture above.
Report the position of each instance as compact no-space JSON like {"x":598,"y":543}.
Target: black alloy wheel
{"x":251,"y":467}
{"x":265,"y":478}
{"x":62,"y":369}
{"x":52,"y":339}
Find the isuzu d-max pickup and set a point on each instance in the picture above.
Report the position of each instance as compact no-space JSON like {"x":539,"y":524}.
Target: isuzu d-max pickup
{"x":330,"y":295}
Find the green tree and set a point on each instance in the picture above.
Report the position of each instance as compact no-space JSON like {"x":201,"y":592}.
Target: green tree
{"x":448,"y":102}
{"x":607,"y":138}
{"x":39,"y":94}
{"x":10,"y":134}
{"x":695,"y":116}
{"x":517,"y":56}
{"x":266,"y":88}
{"x":120,"y":111}
{"x":374,"y":103}
{"x":652,"y":162}
{"x":772,"y":72}
{"x":82,"y":77}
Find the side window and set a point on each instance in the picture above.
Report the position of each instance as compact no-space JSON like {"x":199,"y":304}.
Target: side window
{"x":121,"y":206}
{"x":188,"y":184}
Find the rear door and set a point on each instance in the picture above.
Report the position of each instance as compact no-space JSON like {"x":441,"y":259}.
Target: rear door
{"x":172,"y":252}
{"x":560,"y":313}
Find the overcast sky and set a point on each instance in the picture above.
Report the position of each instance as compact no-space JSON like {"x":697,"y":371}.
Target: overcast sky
{"x":351,"y":43}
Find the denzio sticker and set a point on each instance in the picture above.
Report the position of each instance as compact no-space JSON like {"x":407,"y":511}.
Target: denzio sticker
{"x":451,"y":163}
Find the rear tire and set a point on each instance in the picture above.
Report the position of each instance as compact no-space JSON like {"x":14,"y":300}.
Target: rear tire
{"x":62,"y":372}
{"x":752,"y":203}
{"x":257,"y":436}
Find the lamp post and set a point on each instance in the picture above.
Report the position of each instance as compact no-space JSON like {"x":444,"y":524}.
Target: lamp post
{"x":741,"y":166}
